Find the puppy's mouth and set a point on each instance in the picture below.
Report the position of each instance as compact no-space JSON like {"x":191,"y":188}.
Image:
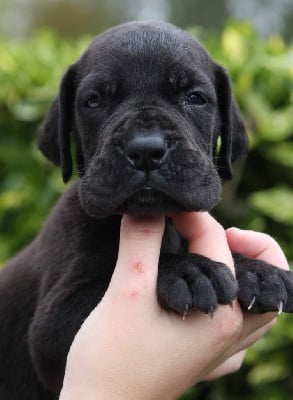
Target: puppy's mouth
{"x":149,"y":201}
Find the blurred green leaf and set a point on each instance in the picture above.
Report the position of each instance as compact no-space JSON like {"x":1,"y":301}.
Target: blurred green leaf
{"x":263,"y":373}
{"x":282,"y":154}
{"x":276,"y":203}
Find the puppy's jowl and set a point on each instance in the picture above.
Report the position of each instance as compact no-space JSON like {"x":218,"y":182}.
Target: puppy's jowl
{"x":145,"y":105}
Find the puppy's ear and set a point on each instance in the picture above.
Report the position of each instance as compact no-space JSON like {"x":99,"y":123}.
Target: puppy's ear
{"x":54,"y":134}
{"x":234,"y":139}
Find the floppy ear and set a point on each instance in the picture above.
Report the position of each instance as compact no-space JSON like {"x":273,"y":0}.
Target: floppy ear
{"x":54,"y":134}
{"x":234,"y":139}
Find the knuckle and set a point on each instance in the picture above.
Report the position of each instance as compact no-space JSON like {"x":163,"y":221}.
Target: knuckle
{"x":236,"y":365}
{"x":230,"y":324}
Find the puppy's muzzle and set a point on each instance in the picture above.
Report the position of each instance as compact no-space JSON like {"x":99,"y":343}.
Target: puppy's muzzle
{"x":147,"y":150}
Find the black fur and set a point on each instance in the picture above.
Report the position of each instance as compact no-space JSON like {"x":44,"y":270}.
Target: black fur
{"x":145,"y":105}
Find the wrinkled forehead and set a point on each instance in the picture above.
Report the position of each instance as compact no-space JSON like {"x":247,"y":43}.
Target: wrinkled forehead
{"x":144,"y":50}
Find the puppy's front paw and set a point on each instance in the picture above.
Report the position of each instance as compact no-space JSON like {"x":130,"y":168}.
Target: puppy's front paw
{"x":194,"y":282}
{"x":263,"y":287}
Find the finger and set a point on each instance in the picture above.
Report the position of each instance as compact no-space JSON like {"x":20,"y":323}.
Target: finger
{"x":254,"y":322}
{"x":138,"y":256}
{"x":254,"y":328}
{"x":256,"y":245}
{"x":229,"y":366}
{"x":205,"y":236}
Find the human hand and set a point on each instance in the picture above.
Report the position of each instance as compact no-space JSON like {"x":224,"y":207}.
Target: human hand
{"x":257,"y":246}
{"x":130,"y":348}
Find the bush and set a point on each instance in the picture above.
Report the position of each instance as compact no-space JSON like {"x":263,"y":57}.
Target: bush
{"x":260,"y":196}
{"x":29,"y":77}
{"x":262,"y":74}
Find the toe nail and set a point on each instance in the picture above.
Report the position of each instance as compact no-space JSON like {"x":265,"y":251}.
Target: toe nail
{"x":251,"y":304}
{"x":280,"y":307}
{"x":186,"y":312}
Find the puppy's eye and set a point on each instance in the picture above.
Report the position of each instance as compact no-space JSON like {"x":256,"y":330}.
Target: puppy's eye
{"x":93,"y":102}
{"x":196,"y":99}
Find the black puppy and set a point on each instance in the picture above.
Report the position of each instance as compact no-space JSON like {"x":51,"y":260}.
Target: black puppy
{"x":146,"y":106}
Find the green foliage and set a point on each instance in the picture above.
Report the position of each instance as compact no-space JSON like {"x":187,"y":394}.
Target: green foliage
{"x":262,"y":75}
{"x":29,"y":77}
{"x":260,"y":196}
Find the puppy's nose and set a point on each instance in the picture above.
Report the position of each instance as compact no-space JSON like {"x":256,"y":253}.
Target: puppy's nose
{"x":146,"y":152}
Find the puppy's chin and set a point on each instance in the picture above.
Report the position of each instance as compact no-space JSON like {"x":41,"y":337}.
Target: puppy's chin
{"x":149,"y":202}
{"x":102,"y":195}
{"x":146,"y":201}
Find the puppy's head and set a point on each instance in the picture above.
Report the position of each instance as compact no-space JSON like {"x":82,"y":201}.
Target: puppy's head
{"x":146,"y":106}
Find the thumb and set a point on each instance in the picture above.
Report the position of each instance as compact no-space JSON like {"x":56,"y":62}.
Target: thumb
{"x":256,"y":245}
{"x":138,"y":257}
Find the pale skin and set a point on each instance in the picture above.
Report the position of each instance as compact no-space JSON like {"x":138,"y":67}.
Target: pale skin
{"x":129,"y":348}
